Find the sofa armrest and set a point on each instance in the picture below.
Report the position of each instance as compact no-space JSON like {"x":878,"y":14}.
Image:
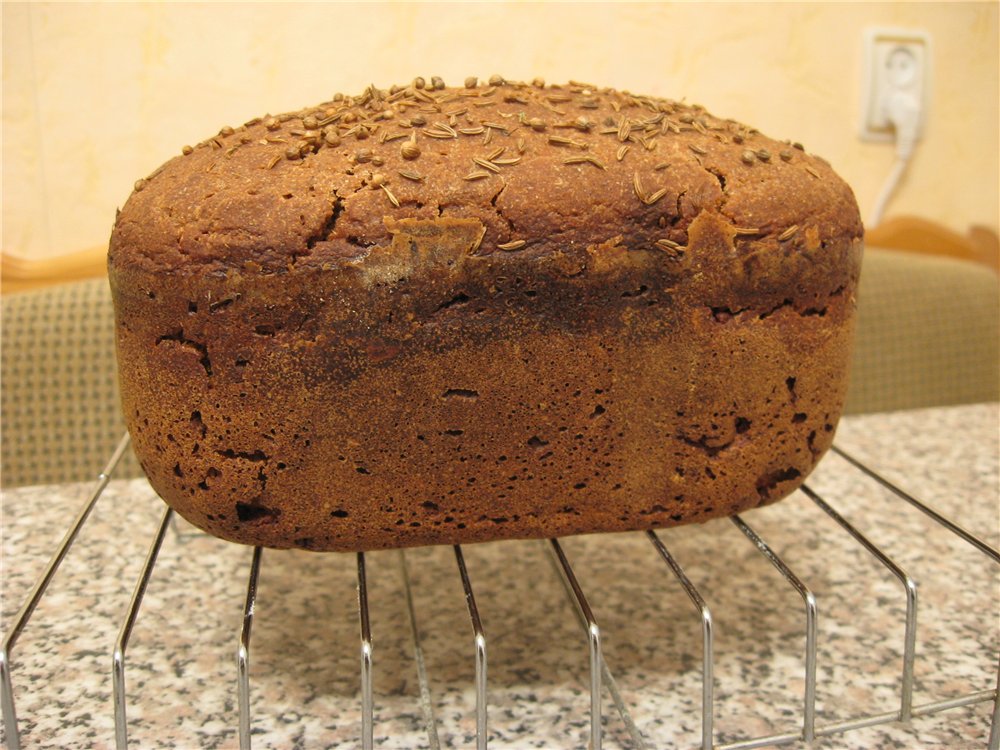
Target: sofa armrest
{"x":928,"y":333}
{"x":61,"y":413}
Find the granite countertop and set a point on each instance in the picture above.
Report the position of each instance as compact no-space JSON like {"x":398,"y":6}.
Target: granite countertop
{"x":181,"y":670}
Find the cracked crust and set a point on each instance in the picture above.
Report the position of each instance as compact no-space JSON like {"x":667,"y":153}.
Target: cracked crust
{"x":450,"y":315}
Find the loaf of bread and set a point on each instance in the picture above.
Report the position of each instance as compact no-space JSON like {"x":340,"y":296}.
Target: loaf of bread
{"x":502,"y":310}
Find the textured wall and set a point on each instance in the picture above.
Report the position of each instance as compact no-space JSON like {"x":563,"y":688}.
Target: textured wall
{"x":97,"y":95}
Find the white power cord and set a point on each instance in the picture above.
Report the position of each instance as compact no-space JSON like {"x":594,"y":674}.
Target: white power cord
{"x":902,"y":109}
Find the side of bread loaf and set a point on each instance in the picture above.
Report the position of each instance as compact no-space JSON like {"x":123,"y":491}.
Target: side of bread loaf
{"x":435,"y":315}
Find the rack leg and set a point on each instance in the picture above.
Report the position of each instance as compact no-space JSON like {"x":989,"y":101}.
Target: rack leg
{"x":594,"y":642}
{"x":121,"y":643}
{"x":480,"y":639}
{"x":418,"y":652}
{"x":607,"y":678}
{"x":243,"y":653}
{"x":910,"y":587}
{"x":809,"y":709}
{"x":13,"y":737}
{"x":707,"y":639}
{"x":994,"y":743}
{"x":366,"y":658}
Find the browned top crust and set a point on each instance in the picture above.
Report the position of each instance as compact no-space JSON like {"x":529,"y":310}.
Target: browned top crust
{"x":539,"y":170}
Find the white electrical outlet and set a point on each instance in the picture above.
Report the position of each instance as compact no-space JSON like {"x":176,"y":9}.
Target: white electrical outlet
{"x":897,"y":67}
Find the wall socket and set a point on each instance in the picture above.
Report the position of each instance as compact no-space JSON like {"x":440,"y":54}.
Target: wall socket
{"x":897,"y":62}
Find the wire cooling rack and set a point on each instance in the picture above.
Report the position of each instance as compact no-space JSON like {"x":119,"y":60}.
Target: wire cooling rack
{"x":601,"y":684}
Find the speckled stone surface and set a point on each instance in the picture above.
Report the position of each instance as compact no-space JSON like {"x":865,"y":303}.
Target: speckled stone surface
{"x":181,"y":665}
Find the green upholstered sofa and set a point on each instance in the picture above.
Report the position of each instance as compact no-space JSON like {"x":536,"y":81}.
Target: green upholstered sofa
{"x":928,"y":333}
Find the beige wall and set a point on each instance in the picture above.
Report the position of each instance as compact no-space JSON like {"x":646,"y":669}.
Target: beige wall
{"x":97,"y":95}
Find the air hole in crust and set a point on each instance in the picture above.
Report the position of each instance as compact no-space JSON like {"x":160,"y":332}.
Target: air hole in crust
{"x":458,"y":299}
{"x":460,"y":393}
{"x":767,"y":483}
{"x":635,"y":292}
{"x":248,"y":513}
{"x":197,"y":423}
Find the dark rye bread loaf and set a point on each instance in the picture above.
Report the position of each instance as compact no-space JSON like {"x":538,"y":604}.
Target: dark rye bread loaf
{"x":440,"y":315}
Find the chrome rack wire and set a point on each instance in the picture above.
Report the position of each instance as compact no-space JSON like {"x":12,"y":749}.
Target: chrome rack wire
{"x":561,"y":566}
{"x":809,"y":708}
{"x":242,"y":654}
{"x":600,"y":674}
{"x":13,"y":737}
{"x":708,"y":660}
{"x":480,"y":639}
{"x":418,"y":652}
{"x":118,"y":659}
{"x":366,"y":657}
{"x":593,"y":640}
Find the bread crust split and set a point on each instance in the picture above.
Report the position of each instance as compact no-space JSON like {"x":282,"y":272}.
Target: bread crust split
{"x":447,"y":315}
